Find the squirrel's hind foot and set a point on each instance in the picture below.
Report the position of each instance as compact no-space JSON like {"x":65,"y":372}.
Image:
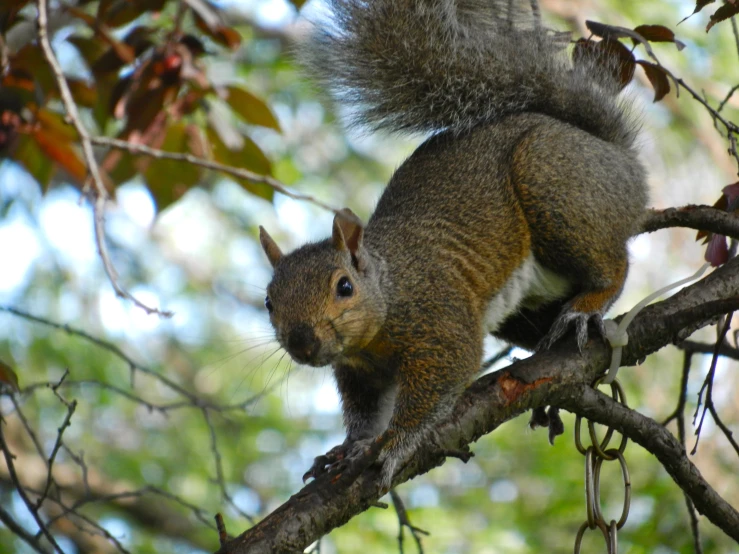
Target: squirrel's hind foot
{"x":569,"y":318}
{"x":549,"y":418}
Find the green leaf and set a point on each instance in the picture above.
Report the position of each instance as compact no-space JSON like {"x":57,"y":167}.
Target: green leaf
{"x":30,"y":156}
{"x":168,"y":180}
{"x":250,"y":108}
{"x":8,"y":377}
{"x":248,"y":156}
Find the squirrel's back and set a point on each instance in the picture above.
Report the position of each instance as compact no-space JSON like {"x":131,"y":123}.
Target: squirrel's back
{"x":433,"y":65}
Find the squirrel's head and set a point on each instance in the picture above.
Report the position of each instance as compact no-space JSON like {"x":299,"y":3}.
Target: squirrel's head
{"x":325,"y":300}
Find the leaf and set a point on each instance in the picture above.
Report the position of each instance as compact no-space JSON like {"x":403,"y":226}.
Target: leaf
{"x":721,"y":204}
{"x":168,"y":180}
{"x":55,"y":126}
{"x":8,"y":377}
{"x":657,"y":77}
{"x":298,"y":3}
{"x":726,"y":11}
{"x":116,"y":13}
{"x":250,"y":108}
{"x":605,"y":31}
{"x":31,"y":61}
{"x":83,"y":93}
{"x":658,"y":33}
{"x":89,"y":48}
{"x":717,"y":252}
{"x":30,"y":156}
{"x":223,"y":35}
{"x":62,"y":153}
{"x":248,"y":155}
{"x":699,"y":5}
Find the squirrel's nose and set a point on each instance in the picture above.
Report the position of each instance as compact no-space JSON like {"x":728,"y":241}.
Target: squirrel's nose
{"x":302,"y":343}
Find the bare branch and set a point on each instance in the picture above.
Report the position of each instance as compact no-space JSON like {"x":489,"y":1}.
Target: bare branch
{"x":101,"y":193}
{"x":237,"y":172}
{"x":22,"y":491}
{"x":700,"y":218}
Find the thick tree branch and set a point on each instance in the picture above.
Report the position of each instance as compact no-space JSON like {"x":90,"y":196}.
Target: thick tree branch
{"x":493,"y":399}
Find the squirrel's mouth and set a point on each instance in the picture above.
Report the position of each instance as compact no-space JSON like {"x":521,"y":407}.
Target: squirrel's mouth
{"x":316,"y":359}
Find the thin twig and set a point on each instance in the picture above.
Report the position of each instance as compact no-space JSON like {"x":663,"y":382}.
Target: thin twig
{"x":237,"y":172}
{"x":404,"y":521}
{"x":71,"y":407}
{"x":679,"y":416}
{"x":219,"y":468}
{"x":101,"y":193}
{"x":22,"y":492}
{"x":725,"y":350}
{"x":7,"y":520}
{"x":708,"y":388}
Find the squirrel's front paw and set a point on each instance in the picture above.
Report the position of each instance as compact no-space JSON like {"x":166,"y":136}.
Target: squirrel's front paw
{"x":571,"y":318}
{"x":349,"y":458}
{"x":328,"y":461}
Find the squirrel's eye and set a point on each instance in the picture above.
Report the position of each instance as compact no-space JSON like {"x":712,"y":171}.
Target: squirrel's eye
{"x":268,"y":304}
{"x":344,"y":287}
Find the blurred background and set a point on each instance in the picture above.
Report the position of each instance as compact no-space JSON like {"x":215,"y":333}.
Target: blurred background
{"x":177,"y":419}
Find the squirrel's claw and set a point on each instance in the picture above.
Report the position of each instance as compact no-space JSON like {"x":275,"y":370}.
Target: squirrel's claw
{"x":565,"y":321}
{"x":327,"y":462}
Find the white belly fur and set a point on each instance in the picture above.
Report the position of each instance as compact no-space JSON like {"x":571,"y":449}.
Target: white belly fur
{"x":529,"y":282}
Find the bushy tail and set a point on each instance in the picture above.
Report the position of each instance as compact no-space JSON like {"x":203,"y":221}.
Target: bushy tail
{"x":430,"y":65}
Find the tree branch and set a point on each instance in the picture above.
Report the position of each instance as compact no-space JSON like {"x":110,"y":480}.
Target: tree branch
{"x":700,"y":218}
{"x":598,"y":407}
{"x":101,"y":193}
{"x":495,"y":398}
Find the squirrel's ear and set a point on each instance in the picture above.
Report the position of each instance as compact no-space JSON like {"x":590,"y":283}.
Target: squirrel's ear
{"x":270,"y":247}
{"x":348,"y":231}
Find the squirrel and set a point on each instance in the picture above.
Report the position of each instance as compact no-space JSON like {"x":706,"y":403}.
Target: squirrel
{"x":512,"y":218}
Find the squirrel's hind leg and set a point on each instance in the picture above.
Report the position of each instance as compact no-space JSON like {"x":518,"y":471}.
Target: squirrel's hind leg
{"x":588,"y":307}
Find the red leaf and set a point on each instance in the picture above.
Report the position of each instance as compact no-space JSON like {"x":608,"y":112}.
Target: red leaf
{"x":726,"y":11}
{"x":658,"y":78}
{"x":717,"y":252}
{"x":658,"y":33}
{"x":63,"y":153}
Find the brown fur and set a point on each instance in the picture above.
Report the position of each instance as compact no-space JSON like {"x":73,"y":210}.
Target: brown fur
{"x":449,"y":235}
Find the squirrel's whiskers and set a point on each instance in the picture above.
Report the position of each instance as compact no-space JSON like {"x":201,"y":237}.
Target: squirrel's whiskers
{"x":512,"y":218}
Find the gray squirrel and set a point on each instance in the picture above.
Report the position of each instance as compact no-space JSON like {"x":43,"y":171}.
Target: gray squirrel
{"x":512,"y":218}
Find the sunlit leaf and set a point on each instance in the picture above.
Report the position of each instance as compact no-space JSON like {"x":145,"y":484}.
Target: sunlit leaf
{"x":62,"y":153}
{"x":250,"y":108}
{"x":248,"y":156}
